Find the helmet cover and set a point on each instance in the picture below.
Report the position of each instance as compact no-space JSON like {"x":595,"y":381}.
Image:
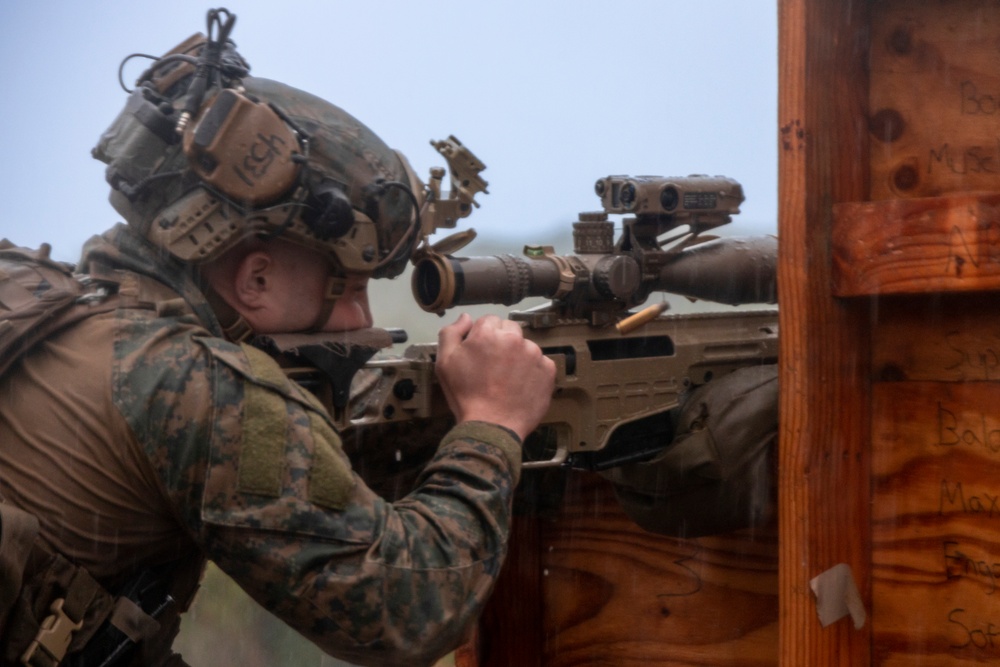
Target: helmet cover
{"x":326,"y":181}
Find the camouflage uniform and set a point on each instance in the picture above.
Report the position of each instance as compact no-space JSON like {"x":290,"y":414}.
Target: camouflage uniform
{"x":143,"y":437}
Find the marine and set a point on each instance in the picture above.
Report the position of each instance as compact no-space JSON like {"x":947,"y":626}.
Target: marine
{"x":154,"y":433}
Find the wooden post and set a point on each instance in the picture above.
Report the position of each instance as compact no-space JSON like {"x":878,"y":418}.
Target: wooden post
{"x":824,"y":362}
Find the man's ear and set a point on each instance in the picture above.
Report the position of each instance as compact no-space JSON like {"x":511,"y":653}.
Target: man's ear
{"x":253,"y":279}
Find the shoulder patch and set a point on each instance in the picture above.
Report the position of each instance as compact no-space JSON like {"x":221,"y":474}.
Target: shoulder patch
{"x":264,"y":434}
{"x":267,"y":431}
{"x":330,"y":480}
{"x":265,"y":416}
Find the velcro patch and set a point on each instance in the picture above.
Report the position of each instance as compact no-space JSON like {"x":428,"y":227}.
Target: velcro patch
{"x":330,"y":480}
{"x":262,"y":461}
{"x":264,"y":427}
{"x":264,"y":434}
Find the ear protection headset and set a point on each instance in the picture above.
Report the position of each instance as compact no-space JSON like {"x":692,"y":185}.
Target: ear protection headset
{"x":250,"y":159}
{"x":243,"y":150}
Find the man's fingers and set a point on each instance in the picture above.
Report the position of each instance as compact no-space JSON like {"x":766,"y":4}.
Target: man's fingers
{"x":452,"y":335}
{"x":488,"y":327}
{"x":490,"y":372}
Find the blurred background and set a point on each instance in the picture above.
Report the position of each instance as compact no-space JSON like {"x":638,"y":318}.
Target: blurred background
{"x":550,"y":95}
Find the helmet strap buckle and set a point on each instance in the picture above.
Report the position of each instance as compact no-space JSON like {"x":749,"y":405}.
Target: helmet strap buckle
{"x":335,"y":288}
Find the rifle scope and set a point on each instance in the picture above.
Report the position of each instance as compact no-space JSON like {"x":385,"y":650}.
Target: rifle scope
{"x":732,"y":270}
{"x":440,"y":282}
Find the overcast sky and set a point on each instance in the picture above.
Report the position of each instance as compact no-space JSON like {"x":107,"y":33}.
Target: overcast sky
{"x":550,"y":94}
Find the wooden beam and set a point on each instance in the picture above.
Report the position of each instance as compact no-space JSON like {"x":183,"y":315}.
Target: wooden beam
{"x":917,"y":246}
{"x":825,"y":394}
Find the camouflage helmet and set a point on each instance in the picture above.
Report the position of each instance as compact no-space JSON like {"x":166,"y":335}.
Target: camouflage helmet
{"x":204,"y":156}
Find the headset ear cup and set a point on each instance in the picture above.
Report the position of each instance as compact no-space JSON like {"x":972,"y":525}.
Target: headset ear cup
{"x":329,"y":213}
{"x":242,"y":149}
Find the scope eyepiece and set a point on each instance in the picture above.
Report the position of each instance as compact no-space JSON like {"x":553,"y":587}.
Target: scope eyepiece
{"x":433,"y":283}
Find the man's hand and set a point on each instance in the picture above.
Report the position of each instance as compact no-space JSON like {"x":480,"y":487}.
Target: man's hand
{"x":490,"y":373}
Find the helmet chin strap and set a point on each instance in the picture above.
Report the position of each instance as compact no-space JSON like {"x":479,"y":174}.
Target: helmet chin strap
{"x":335,"y":287}
{"x":234,"y":326}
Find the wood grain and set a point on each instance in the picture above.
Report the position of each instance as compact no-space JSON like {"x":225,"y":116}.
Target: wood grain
{"x":934,"y":244}
{"x":935,"y":521}
{"x":935,"y":472}
{"x":935,"y":98}
{"x":823,"y":443}
{"x":617,"y":595}
{"x":592,"y":588}
{"x":944,"y":337}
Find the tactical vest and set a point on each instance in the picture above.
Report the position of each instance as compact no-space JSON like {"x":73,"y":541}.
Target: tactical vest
{"x":52,"y":611}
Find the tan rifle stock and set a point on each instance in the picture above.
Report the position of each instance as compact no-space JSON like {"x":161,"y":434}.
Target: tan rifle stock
{"x":605,"y":381}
